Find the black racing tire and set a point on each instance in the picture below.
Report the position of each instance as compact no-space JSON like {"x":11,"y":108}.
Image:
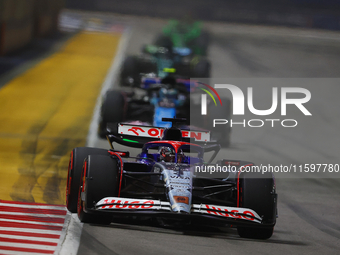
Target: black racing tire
{"x":201,"y":69}
{"x":100,"y":177}
{"x":75,"y":167}
{"x":129,"y":75}
{"x":112,"y":110}
{"x":222,"y":133}
{"x":257,"y":194}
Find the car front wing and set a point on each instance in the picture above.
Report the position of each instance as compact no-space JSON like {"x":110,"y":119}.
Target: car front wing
{"x":115,"y":204}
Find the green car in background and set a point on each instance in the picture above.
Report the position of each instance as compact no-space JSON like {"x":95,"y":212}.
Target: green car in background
{"x":185,"y":33}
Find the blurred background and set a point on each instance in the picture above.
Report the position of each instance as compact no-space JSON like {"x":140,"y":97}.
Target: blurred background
{"x":300,"y":13}
{"x":23,"y":20}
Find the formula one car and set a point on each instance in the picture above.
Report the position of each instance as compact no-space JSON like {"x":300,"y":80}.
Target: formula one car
{"x":158,"y":61}
{"x":185,"y":33}
{"x":160,"y":98}
{"x":161,"y":182}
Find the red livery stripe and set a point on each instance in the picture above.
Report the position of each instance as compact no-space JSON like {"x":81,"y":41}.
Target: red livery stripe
{"x":19,"y":233}
{"x":32,"y":218}
{"x":32,"y":210}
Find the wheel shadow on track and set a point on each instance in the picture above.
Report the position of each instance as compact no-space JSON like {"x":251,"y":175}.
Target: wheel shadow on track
{"x":39,"y":155}
{"x":219,"y":232}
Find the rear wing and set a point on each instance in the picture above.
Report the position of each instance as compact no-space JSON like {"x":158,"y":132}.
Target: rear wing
{"x":137,"y":135}
{"x":157,"y":132}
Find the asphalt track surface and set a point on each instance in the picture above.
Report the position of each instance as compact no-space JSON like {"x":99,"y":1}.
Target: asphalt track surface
{"x":309,"y":221}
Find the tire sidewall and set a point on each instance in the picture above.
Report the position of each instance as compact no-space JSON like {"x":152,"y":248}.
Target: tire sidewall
{"x":77,"y":157}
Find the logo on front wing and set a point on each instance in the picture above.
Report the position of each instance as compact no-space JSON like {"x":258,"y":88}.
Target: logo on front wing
{"x":127,"y":204}
{"x":245,"y":214}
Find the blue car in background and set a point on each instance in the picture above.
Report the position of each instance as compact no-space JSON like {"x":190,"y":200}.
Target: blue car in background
{"x":161,"y":98}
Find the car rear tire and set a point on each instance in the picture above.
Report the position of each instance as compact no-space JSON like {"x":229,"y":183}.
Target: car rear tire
{"x":100,"y":177}
{"x":257,"y":193}
{"x":112,"y":110}
{"x":129,"y":75}
{"x":77,"y":157}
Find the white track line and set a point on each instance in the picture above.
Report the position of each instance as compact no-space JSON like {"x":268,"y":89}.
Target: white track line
{"x":70,"y":239}
{"x":108,"y":83}
{"x":28,"y":246}
{"x":31,"y":238}
{"x":33,"y":222}
{"x":71,"y":236}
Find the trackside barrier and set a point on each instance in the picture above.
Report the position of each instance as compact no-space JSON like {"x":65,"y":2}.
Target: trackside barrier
{"x":21,"y":20}
{"x":16,"y":24}
{"x":46,"y":16}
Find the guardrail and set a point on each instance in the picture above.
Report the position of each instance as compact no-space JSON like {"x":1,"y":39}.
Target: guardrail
{"x":22,"y":20}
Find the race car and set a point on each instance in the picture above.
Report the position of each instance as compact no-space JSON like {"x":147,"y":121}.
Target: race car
{"x":160,"y":98}
{"x":162,"y":182}
{"x":160,"y":61}
{"x":185,"y":33}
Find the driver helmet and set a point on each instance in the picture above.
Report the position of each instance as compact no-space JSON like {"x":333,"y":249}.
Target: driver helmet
{"x":167,"y":154}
